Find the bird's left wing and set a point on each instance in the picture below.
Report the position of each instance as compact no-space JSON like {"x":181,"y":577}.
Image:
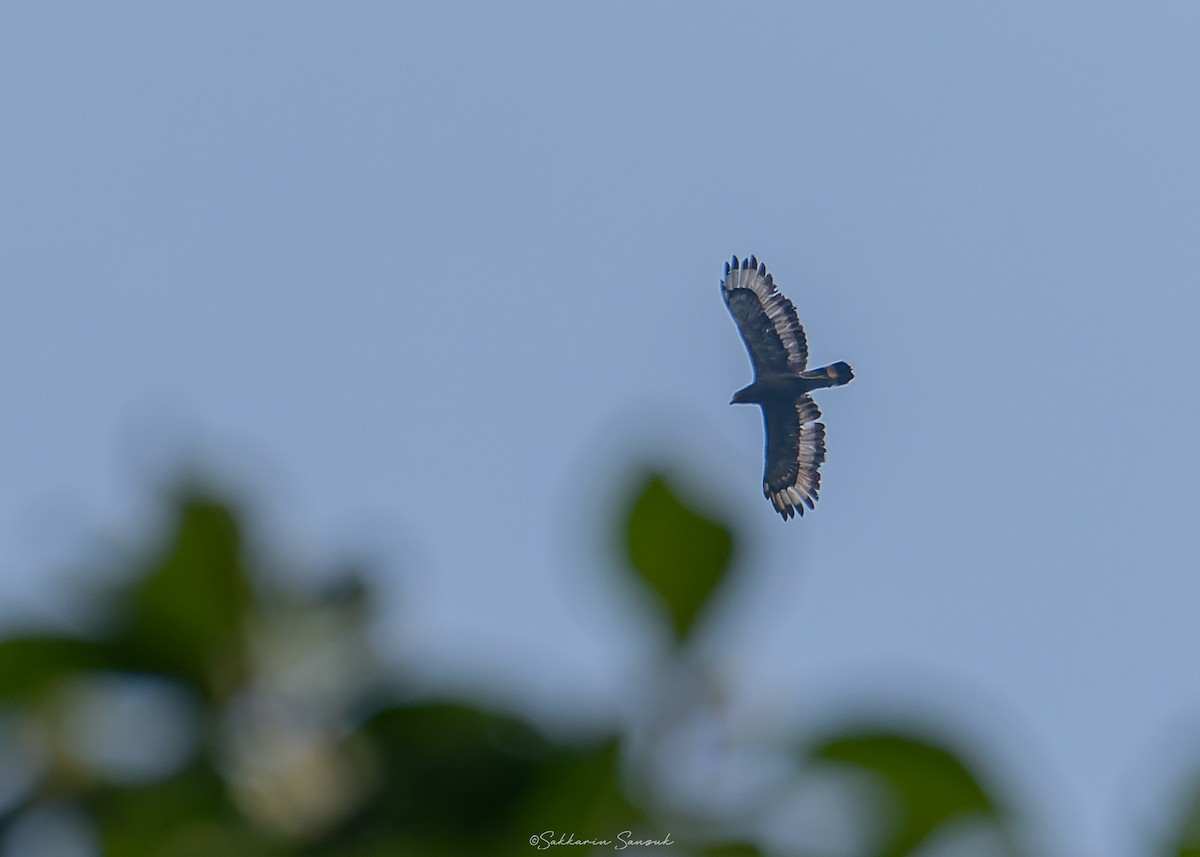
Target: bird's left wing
{"x":795,"y":453}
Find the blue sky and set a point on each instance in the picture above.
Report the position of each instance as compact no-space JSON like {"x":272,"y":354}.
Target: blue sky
{"x":422,"y":278}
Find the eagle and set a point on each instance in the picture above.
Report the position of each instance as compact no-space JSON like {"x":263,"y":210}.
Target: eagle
{"x":778,"y":349}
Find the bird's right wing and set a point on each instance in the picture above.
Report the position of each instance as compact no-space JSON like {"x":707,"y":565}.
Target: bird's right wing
{"x":766,"y":319}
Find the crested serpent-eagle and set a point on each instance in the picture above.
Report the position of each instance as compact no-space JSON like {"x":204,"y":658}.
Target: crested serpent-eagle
{"x":778,"y":351}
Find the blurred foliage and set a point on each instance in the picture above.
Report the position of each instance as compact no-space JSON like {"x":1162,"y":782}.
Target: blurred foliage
{"x":1186,"y":841}
{"x":678,"y":552}
{"x":927,"y":785}
{"x":213,"y":713}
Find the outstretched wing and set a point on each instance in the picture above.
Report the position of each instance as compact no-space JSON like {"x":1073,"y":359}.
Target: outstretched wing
{"x":766,"y":319}
{"x":795,"y":452}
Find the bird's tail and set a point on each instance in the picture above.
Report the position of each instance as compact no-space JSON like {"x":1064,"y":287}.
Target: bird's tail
{"x":833,"y":375}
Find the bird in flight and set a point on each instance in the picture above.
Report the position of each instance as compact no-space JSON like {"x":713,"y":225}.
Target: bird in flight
{"x":774,"y":337}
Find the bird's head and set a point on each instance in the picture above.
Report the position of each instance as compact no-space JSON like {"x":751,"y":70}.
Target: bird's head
{"x":742,"y":397}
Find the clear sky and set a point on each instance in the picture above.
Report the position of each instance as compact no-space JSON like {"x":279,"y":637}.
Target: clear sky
{"x":422,"y":278}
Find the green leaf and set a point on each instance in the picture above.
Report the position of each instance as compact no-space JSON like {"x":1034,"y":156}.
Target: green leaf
{"x":449,"y":771}
{"x":1187,"y":838}
{"x":186,"y":615}
{"x":678,"y":551}
{"x":578,"y":790}
{"x":177,"y":817}
{"x":459,"y":780}
{"x":30,"y":664}
{"x":929,"y":785}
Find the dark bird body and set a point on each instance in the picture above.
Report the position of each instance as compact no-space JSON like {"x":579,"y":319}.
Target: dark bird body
{"x":778,"y":348}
